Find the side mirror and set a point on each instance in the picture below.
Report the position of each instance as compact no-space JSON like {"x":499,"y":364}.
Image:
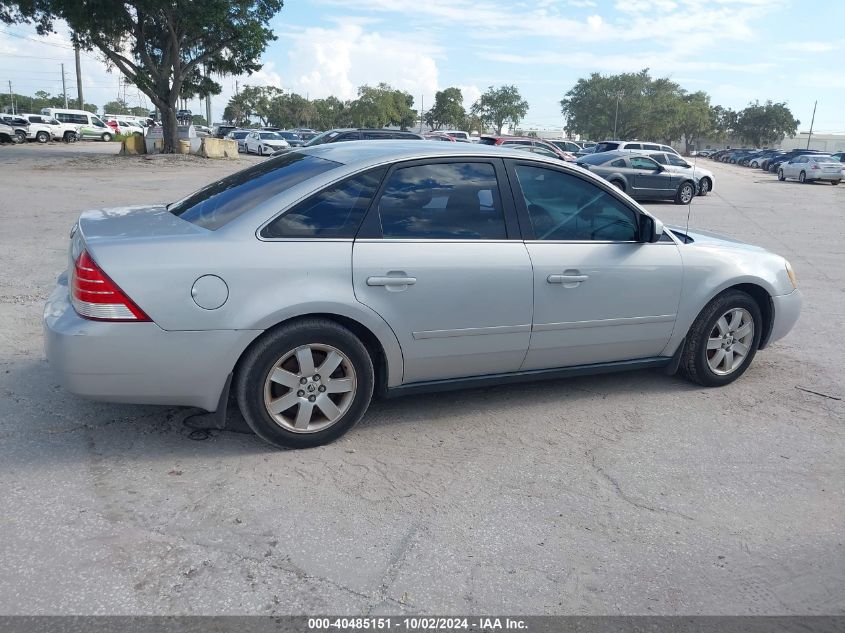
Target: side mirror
{"x":651,"y":229}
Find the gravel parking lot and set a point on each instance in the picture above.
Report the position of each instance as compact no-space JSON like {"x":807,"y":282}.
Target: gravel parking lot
{"x":632,"y":493}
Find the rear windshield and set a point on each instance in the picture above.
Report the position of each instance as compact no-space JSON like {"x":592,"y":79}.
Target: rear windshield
{"x":606,"y":147}
{"x":595,"y":159}
{"x":221,"y":202}
{"x":486,"y":140}
{"x":325,"y":137}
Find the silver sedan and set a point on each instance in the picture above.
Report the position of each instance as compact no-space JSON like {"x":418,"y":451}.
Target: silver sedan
{"x":315,"y":280}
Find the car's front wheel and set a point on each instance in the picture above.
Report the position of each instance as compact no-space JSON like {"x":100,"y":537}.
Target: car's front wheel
{"x":305,"y":384}
{"x":42,"y":137}
{"x":20,"y":136}
{"x":802,"y":177}
{"x":704,"y":187}
{"x":781,"y":175}
{"x":723,"y":340}
{"x":106,"y":137}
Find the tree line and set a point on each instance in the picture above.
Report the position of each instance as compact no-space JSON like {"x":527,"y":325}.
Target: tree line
{"x":634,"y":106}
{"x":375,"y":107}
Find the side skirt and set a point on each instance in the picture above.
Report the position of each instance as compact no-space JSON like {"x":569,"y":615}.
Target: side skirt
{"x":454,"y":384}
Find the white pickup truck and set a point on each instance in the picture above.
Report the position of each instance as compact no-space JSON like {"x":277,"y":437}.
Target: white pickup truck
{"x":42,"y":128}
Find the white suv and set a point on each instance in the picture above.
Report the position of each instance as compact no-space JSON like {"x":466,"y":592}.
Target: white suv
{"x":43,"y":128}
{"x":632,"y":146}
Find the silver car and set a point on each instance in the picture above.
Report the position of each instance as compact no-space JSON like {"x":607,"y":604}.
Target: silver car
{"x":641,"y":176}
{"x":704,"y":178}
{"x":319,"y":278}
{"x":812,"y":167}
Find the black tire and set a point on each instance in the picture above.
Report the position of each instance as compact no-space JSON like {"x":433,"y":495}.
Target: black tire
{"x":106,"y":137}
{"x":263,"y":357}
{"x":802,"y":177}
{"x":780,"y":175}
{"x":694,"y":362}
{"x":618,"y":184}
{"x":42,"y":137}
{"x":261,"y":150}
{"x":20,"y":137}
{"x":685,"y":193}
{"x":705,"y":187}
{"x":835,"y":182}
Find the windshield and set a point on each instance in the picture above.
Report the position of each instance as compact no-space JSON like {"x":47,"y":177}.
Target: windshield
{"x":221,"y":202}
{"x":325,"y":137}
{"x":270,"y":136}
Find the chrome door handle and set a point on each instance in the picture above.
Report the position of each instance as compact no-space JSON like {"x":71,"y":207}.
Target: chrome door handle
{"x":567,"y":279}
{"x":391,"y":281}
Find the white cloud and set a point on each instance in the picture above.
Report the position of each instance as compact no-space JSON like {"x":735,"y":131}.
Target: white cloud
{"x":336,"y":61}
{"x":471,"y":94}
{"x":813,"y":47}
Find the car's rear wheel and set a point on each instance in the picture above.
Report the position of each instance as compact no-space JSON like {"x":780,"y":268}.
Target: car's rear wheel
{"x":106,"y":137}
{"x":704,"y":186}
{"x":802,"y":177}
{"x":20,"y":136}
{"x":754,"y":164}
{"x":685,"y":193}
{"x":781,"y":175}
{"x":723,"y":340}
{"x":305,"y":384}
{"x":835,"y":182}
{"x":618,"y":184}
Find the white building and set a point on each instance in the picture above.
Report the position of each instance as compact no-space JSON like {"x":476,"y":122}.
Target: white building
{"x":822,"y":141}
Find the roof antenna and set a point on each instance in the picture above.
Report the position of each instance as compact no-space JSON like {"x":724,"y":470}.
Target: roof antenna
{"x":694,"y":193}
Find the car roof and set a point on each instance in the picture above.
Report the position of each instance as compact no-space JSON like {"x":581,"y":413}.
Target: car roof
{"x":366,"y":153}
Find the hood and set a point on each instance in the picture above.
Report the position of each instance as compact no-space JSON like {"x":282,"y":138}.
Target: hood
{"x":707,"y":238}
{"x":274,"y":142}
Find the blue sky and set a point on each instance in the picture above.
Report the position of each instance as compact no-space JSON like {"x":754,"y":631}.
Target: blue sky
{"x":736,"y":50}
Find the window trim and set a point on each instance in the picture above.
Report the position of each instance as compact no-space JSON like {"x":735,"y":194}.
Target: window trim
{"x":525,"y":219}
{"x":370,"y":228}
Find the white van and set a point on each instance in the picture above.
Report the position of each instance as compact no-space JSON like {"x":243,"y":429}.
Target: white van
{"x":90,"y":125}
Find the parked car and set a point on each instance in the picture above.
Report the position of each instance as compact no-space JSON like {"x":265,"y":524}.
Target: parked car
{"x":632,"y":146}
{"x":436,"y":136}
{"x":7,"y":133}
{"x":538,"y":145}
{"x":567,"y":146}
{"x":43,"y":128}
{"x":717,"y":155}
{"x":703,"y":178}
{"x":458,"y":135}
{"x":702,"y":152}
{"x":221,"y":130}
{"x":19,"y":125}
{"x":756,"y":160}
{"x":547,"y":271}
{"x":640,"y":176}
{"x":293,"y":139}
{"x":774,"y":163}
{"x":240,"y":137}
{"x":305,"y":133}
{"x":811,"y":168}
{"x":361,"y":134}
{"x":264,"y":143}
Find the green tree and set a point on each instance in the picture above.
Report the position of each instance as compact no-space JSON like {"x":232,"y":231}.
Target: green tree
{"x":695,"y":120}
{"x":198,"y":119}
{"x":767,"y":123}
{"x":501,"y":106}
{"x":116,"y":107}
{"x":167,"y":48}
{"x":448,"y":109}
{"x":330,"y":113}
{"x":382,"y":105}
{"x":290,"y":110}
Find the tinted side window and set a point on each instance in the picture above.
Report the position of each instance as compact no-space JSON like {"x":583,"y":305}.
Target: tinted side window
{"x":634,"y":146}
{"x":347,"y":136}
{"x":335,"y":212}
{"x":606,"y":147}
{"x":619,"y":162}
{"x":565,"y":207}
{"x":638,"y":162}
{"x":660,"y":158}
{"x":220,"y":202}
{"x":458,"y":201}
{"x":375,"y":135}
{"x":677,"y":161}
{"x":650,"y":146}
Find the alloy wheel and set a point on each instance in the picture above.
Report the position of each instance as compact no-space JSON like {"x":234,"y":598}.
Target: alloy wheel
{"x":686,"y":193}
{"x":730,"y":341}
{"x":310,"y":388}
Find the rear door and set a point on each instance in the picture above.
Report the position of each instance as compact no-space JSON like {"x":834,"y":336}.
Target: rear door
{"x":440,"y":258}
{"x":650,"y":180}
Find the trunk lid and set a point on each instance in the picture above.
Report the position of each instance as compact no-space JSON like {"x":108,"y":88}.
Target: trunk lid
{"x":132,"y":223}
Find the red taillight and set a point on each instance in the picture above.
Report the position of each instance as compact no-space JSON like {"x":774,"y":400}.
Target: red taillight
{"x":95,"y":296}
{"x":815,"y":166}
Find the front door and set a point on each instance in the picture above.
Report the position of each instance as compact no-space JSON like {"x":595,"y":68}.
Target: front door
{"x":440,"y":259}
{"x":650,"y":180}
{"x":600,"y":295}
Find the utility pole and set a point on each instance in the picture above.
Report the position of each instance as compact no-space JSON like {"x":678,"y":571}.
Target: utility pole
{"x":812,"y":122}
{"x":64,"y":88}
{"x":207,"y":103}
{"x":11,"y":98}
{"x":616,"y":118}
{"x":78,"y":77}
{"x":422,"y":110}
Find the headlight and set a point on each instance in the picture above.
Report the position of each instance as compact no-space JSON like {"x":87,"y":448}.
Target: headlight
{"x":791,"y":274}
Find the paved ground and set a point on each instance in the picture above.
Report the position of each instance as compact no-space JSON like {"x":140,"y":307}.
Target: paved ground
{"x":633,"y":493}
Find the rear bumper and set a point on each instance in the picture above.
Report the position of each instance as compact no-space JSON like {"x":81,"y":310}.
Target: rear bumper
{"x":824,"y":175}
{"x":787,"y":310}
{"x":138,"y":362}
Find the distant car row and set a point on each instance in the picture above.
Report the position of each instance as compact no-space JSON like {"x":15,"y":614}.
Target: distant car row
{"x":804,"y":165}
